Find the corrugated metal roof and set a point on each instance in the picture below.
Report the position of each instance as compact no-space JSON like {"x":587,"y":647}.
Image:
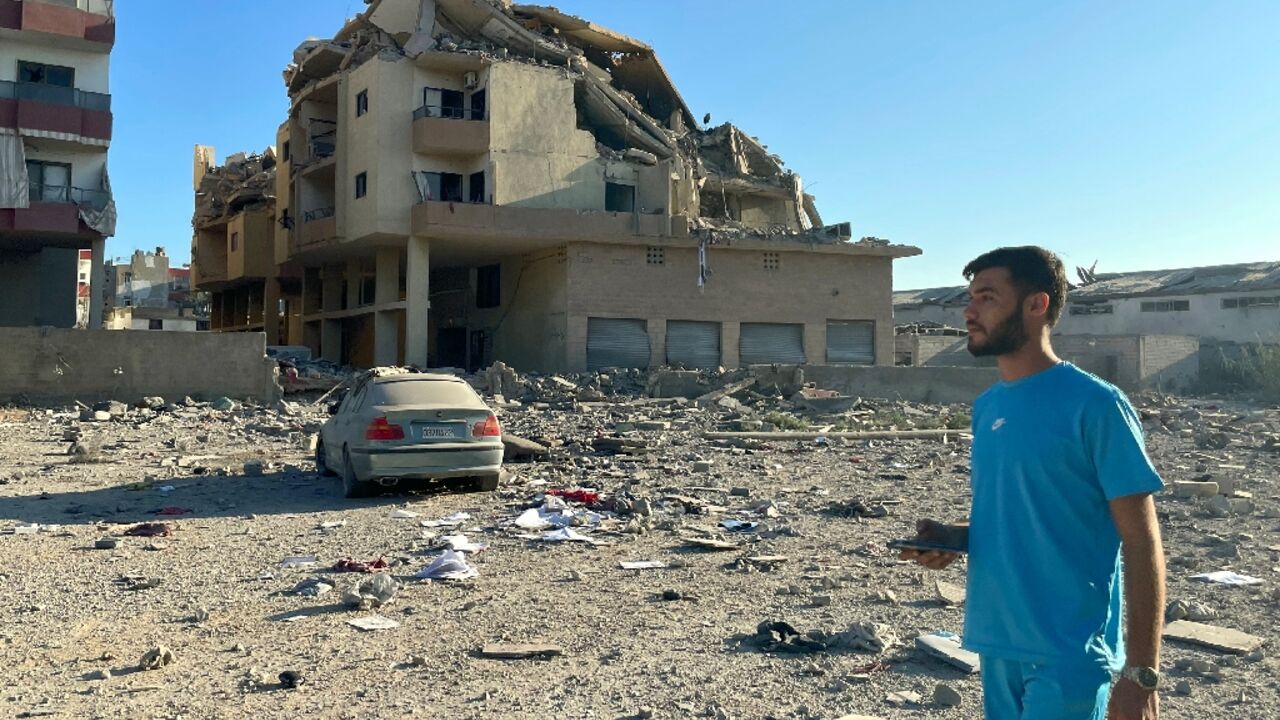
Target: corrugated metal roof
{"x":1183,"y":281}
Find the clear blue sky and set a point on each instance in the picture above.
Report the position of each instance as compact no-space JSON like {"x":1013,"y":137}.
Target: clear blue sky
{"x":1140,"y":134}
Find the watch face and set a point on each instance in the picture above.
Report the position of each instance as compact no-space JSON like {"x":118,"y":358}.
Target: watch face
{"x":1147,"y":677}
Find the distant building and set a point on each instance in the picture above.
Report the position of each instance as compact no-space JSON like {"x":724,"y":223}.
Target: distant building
{"x":146,"y":294}
{"x":84,"y":275}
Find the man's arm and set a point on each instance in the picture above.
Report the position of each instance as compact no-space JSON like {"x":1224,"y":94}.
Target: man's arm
{"x":1135,"y":519}
{"x":1144,"y":593}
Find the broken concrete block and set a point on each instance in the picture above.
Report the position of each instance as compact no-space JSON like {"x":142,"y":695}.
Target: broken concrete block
{"x":1210,"y":636}
{"x":1195,"y":489}
{"x":946,"y":647}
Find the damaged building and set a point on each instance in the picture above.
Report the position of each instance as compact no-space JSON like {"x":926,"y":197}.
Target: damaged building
{"x":464,"y":181}
{"x":55,"y":128}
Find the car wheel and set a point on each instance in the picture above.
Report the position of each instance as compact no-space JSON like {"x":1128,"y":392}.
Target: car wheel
{"x":322,"y":464}
{"x":352,"y":486}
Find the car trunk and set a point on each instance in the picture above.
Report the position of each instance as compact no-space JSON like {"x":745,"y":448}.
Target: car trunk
{"x":428,"y":423}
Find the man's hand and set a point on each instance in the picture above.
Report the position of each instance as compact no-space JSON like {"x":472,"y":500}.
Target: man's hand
{"x":936,"y":532}
{"x":1129,"y":701}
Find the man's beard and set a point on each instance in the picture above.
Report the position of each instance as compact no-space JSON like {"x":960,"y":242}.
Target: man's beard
{"x":1007,"y":337}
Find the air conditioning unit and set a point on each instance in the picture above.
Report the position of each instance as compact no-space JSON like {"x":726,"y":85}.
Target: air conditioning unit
{"x":471,"y":81}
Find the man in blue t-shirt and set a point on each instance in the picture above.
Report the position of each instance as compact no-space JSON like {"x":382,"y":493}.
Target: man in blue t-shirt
{"x":1061,"y":505}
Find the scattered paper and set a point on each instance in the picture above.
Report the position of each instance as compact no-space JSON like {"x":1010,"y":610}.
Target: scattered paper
{"x":333,"y":524}
{"x":1227,"y":577}
{"x":642,"y":564}
{"x":403,"y":514}
{"x":293,"y":618}
{"x":450,"y":521}
{"x":374,"y":622}
{"x":462,"y":543}
{"x":299,"y":561}
{"x":451,"y":565}
{"x":565,"y":535}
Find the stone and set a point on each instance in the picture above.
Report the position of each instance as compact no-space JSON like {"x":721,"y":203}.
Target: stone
{"x":1224,"y":639}
{"x":99,"y":675}
{"x":868,"y":636}
{"x":702,"y":466}
{"x":821,"y":600}
{"x":291,"y":679}
{"x":653,"y":426}
{"x":1218,"y":506}
{"x":902,"y":698}
{"x":156,"y":658}
{"x":516,"y":448}
{"x":520,"y":651}
{"x":1200,"y":612}
{"x":253,"y":468}
{"x":946,"y":647}
{"x":1176,"y":610}
{"x":1182,"y":688}
{"x":1195,"y":489}
{"x":946,"y":696}
{"x":740,"y":492}
{"x":101,"y":416}
{"x":224,"y":404}
{"x":106,"y":543}
{"x":948,"y":594}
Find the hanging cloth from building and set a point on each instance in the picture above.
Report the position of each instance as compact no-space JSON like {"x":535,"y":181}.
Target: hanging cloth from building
{"x":704,"y":272}
{"x":424,"y":186}
{"x":101,"y":216}
{"x":14,"y":188}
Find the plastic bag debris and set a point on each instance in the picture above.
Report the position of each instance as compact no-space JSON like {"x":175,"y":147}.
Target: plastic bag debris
{"x":1227,"y":577}
{"x":451,"y":565}
{"x":299,"y":561}
{"x":449,"y":521}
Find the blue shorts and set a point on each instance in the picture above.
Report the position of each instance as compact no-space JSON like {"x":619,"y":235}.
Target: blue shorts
{"x":1014,"y":690}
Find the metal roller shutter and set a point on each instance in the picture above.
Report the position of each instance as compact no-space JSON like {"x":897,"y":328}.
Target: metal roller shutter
{"x":613,"y":342}
{"x":851,"y":341}
{"x":693,"y":344}
{"x":769,"y":343}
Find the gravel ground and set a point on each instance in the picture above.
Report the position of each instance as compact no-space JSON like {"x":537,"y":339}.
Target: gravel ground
{"x":73,"y":631}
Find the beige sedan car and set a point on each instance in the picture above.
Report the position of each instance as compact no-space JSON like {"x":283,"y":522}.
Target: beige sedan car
{"x":391,"y":431}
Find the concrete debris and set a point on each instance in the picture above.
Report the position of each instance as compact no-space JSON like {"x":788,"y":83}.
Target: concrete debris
{"x":1217,"y":638}
{"x":156,"y":658}
{"x":375,"y":591}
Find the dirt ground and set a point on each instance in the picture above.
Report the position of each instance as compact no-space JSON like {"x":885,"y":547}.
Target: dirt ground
{"x":76,"y":620}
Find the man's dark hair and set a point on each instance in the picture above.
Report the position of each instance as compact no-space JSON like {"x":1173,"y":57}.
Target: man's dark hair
{"x":1032,"y":269}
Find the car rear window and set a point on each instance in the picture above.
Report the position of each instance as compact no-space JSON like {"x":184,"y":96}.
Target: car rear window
{"x":422,"y":392}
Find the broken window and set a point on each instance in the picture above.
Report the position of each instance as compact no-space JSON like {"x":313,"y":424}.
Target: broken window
{"x":235,"y":241}
{"x":478,"y":108}
{"x":1166,"y":306}
{"x":619,"y":197}
{"x":49,"y":181}
{"x":1244,"y":303}
{"x":362,"y":185}
{"x":41,"y":74}
{"x":656,"y":256}
{"x":475,"y":187}
{"x":489,"y":286}
{"x":362,"y":102}
{"x":440,"y":186}
{"x":772,"y":261}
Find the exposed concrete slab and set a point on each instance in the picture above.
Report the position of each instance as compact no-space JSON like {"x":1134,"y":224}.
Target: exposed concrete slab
{"x":1210,"y":636}
{"x":913,"y":384}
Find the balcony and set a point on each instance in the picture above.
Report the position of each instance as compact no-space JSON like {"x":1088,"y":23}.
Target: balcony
{"x":36,"y":106}
{"x":55,"y":211}
{"x":319,"y":229}
{"x":84,"y":24}
{"x":475,"y":221}
{"x":450,"y":131}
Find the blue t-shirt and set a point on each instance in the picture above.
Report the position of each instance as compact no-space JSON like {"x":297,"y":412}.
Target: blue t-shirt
{"x":1049,"y":453}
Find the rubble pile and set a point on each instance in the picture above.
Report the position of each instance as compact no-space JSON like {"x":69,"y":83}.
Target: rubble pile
{"x":683,"y":548}
{"x":243,"y":182}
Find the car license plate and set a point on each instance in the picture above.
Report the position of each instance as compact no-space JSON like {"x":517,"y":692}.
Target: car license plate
{"x":439,"y":431}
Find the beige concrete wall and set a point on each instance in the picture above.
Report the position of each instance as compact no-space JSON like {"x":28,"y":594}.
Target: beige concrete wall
{"x":1170,"y":362}
{"x":810,"y":288}
{"x":1205,"y":318}
{"x":1114,"y":358}
{"x":284,"y":195}
{"x":45,"y":364}
{"x":540,"y":158}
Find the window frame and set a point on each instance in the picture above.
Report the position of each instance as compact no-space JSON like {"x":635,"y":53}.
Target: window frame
{"x":362,"y":103}
{"x":24,"y":64}
{"x":361,"y":184}
{"x":489,"y":286}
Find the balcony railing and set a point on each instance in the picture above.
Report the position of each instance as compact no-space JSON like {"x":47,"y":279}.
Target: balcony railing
{"x":317,"y":214}
{"x":96,"y":7}
{"x":448,"y":111}
{"x":96,"y":199}
{"x":55,"y":95}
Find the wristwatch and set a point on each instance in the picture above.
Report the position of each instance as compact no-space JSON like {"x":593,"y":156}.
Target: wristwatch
{"x":1144,"y":677}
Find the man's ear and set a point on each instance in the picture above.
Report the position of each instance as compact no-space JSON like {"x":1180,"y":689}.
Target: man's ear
{"x":1037,"y":304}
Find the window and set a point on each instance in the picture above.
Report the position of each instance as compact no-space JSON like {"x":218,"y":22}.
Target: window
{"x":284,"y":151}
{"x":48,"y":181}
{"x":619,"y":197}
{"x":489,"y":286}
{"x":656,"y":256}
{"x":478,"y":101}
{"x":475,"y":188}
{"x":1166,"y":306}
{"x":451,"y":104}
{"x":1091,"y":309}
{"x":368,"y":289}
{"x":41,"y":74}
{"x":772,"y":261}
{"x":235,"y":241}
{"x":155,"y":324}
{"x":362,"y":102}
{"x":1244,"y":303}
{"x":439,"y":186}
{"x":362,"y":184}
